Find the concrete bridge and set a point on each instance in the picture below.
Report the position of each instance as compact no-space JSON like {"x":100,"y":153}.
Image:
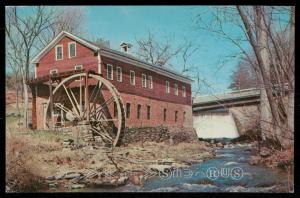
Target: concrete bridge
{"x":226,"y":115}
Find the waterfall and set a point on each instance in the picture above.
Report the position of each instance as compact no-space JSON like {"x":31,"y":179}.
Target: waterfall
{"x":215,"y":125}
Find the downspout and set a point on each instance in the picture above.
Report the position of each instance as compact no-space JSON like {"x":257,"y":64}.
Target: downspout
{"x":99,"y":63}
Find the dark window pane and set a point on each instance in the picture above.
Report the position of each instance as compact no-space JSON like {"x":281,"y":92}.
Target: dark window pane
{"x":127,"y":110}
{"x":59,"y":53}
{"x":148,"y":112}
{"x":72,"y":50}
{"x":139,"y":111}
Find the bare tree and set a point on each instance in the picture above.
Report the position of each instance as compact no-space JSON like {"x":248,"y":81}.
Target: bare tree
{"x":101,"y":42}
{"x":67,"y":18}
{"x":13,"y":82}
{"x":273,"y":63}
{"x":188,"y":49}
{"x":244,"y":77}
{"x":262,"y":40}
{"x":154,"y":52}
{"x":26,"y":34}
{"x":22,"y":33}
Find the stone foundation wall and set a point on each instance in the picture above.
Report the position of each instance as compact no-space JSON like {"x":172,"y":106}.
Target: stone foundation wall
{"x":78,"y":133}
{"x":172,"y":135}
{"x":246,"y":118}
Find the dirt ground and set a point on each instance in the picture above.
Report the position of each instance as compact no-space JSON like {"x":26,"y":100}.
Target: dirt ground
{"x":43,"y":157}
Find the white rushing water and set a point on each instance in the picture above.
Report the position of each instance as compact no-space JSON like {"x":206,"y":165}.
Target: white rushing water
{"x":215,"y":126}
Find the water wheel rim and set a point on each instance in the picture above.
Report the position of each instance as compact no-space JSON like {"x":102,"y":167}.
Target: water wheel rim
{"x":114,"y":92}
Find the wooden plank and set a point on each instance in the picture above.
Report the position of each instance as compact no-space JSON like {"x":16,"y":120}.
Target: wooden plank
{"x":87,"y":100}
{"x":51,"y":104}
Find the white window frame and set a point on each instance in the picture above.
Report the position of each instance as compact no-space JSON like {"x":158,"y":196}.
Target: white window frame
{"x":78,"y":66}
{"x":62,"y":52}
{"x":119,"y":80}
{"x":145,"y":82}
{"x":132,"y":75}
{"x":150,"y":81}
{"x":167,"y":87}
{"x":176,"y":89}
{"x":51,"y":70}
{"x":112,"y":72}
{"x":69,"y":49}
{"x":183,"y":91}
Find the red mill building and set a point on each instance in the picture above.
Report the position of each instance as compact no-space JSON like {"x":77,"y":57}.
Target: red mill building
{"x":150,"y":95}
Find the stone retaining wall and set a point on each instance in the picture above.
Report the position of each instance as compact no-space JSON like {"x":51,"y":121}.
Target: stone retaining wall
{"x":172,"y":135}
{"x":79,"y":132}
{"x":246,"y":118}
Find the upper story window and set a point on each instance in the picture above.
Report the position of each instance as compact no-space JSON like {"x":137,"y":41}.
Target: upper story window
{"x":109,"y":72}
{"x":176,"y":89}
{"x":167,"y":87}
{"x":119,"y":74}
{"x":144,"y":81}
{"x":183,"y":91}
{"x":59,"y":52}
{"x":150,"y":82}
{"x":132,"y":77}
{"x":72,"y":49}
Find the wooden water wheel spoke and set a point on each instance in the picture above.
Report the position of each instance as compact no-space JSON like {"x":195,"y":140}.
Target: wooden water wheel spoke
{"x":96,"y":111}
{"x":104,"y":104}
{"x":93,"y":107}
{"x":98,"y":88}
{"x":103,"y":135}
{"x":99,"y":109}
{"x":107,"y":120}
{"x":74,"y":98}
{"x":65,"y":109}
{"x":68,"y":94}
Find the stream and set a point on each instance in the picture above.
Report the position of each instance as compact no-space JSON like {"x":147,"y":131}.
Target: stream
{"x":229,"y":171}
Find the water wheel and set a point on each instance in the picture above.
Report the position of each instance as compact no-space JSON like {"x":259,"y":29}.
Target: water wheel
{"x":86,"y":99}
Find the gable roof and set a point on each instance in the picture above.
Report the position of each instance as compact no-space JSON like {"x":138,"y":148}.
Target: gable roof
{"x":114,"y":54}
{"x":61,"y":35}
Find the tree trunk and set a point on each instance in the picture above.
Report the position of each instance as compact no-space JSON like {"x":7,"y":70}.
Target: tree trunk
{"x":266,"y":119}
{"x":17,"y":98}
{"x":265,"y":116}
{"x":291,"y":95}
{"x":260,"y":49}
{"x":25,"y":94}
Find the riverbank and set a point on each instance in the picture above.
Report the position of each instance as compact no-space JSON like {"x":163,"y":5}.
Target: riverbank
{"x":52,"y":162}
{"x":45,"y":161}
{"x":228,"y":171}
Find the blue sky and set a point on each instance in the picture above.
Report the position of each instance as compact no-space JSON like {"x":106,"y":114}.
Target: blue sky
{"x":125,"y":23}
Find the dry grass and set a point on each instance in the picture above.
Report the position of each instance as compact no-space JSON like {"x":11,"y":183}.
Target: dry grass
{"x":25,"y":171}
{"x":31,"y":156}
{"x":22,"y":174}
